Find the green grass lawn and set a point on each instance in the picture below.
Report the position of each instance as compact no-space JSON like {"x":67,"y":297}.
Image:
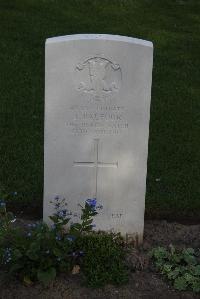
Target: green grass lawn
{"x":173,"y":182}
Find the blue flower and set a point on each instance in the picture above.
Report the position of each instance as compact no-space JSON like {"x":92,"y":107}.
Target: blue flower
{"x":53,"y":226}
{"x":8,"y":251}
{"x":99,"y":207}
{"x":91,"y":202}
{"x":2,"y":204}
{"x":29,"y":234}
{"x":71,"y":238}
{"x":7,"y":255}
{"x":58,"y":238}
{"x":64,"y":212}
{"x":32,"y":225}
{"x":60,"y":214}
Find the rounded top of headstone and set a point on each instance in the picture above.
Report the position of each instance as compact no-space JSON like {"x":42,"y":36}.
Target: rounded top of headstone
{"x":110,"y":37}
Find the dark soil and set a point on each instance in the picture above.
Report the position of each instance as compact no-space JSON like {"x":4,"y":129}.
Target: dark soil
{"x":143,"y":283}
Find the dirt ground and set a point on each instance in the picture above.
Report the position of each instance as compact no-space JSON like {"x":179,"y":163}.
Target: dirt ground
{"x":143,"y":283}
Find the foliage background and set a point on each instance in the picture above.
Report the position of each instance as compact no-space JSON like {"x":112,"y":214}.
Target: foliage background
{"x":173,"y":189}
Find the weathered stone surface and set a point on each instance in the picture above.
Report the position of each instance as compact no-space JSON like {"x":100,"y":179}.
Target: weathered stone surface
{"x":97,"y":108}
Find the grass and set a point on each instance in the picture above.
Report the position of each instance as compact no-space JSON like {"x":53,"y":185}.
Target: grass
{"x":173,"y":188}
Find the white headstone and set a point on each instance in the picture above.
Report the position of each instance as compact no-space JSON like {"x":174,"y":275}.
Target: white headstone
{"x":97,"y":109}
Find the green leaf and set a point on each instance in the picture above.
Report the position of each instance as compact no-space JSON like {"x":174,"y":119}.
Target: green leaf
{"x":35,"y":246}
{"x":189,"y":277}
{"x":159,"y":253}
{"x":173,"y":274}
{"x":54,"y":218}
{"x":75,"y":227}
{"x":180,"y":284}
{"x":27,"y":281}
{"x":32,"y":255}
{"x":189,"y":251}
{"x":93,"y":213}
{"x":88,"y":228}
{"x":159,"y":265}
{"x":17,"y":253}
{"x":197,"y":270}
{"x":196,"y":285}
{"x":64,"y":222}
{"x":46,"y":276}
{"x":166,"y":268}
{"x":57,"y":252}
{"x":10,"y":216}
{"x":189,"y":259}
{"x":175,"y":258}
{"x":172,"y":249}
{"x":88,"y":222}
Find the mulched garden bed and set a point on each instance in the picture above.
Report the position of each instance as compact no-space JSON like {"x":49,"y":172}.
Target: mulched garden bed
{"x":143,"y":283}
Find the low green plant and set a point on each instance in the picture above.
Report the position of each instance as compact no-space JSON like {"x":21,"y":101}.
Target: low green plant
{"x":181,"y":267}
{"x":40,"y":252}
{"x":104,"y":259}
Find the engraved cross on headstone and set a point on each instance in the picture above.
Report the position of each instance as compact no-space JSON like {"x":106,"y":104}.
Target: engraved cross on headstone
{"x":96,"y":164}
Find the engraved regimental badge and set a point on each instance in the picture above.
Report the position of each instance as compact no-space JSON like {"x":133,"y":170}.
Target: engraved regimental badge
{"x":98,"y":77}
